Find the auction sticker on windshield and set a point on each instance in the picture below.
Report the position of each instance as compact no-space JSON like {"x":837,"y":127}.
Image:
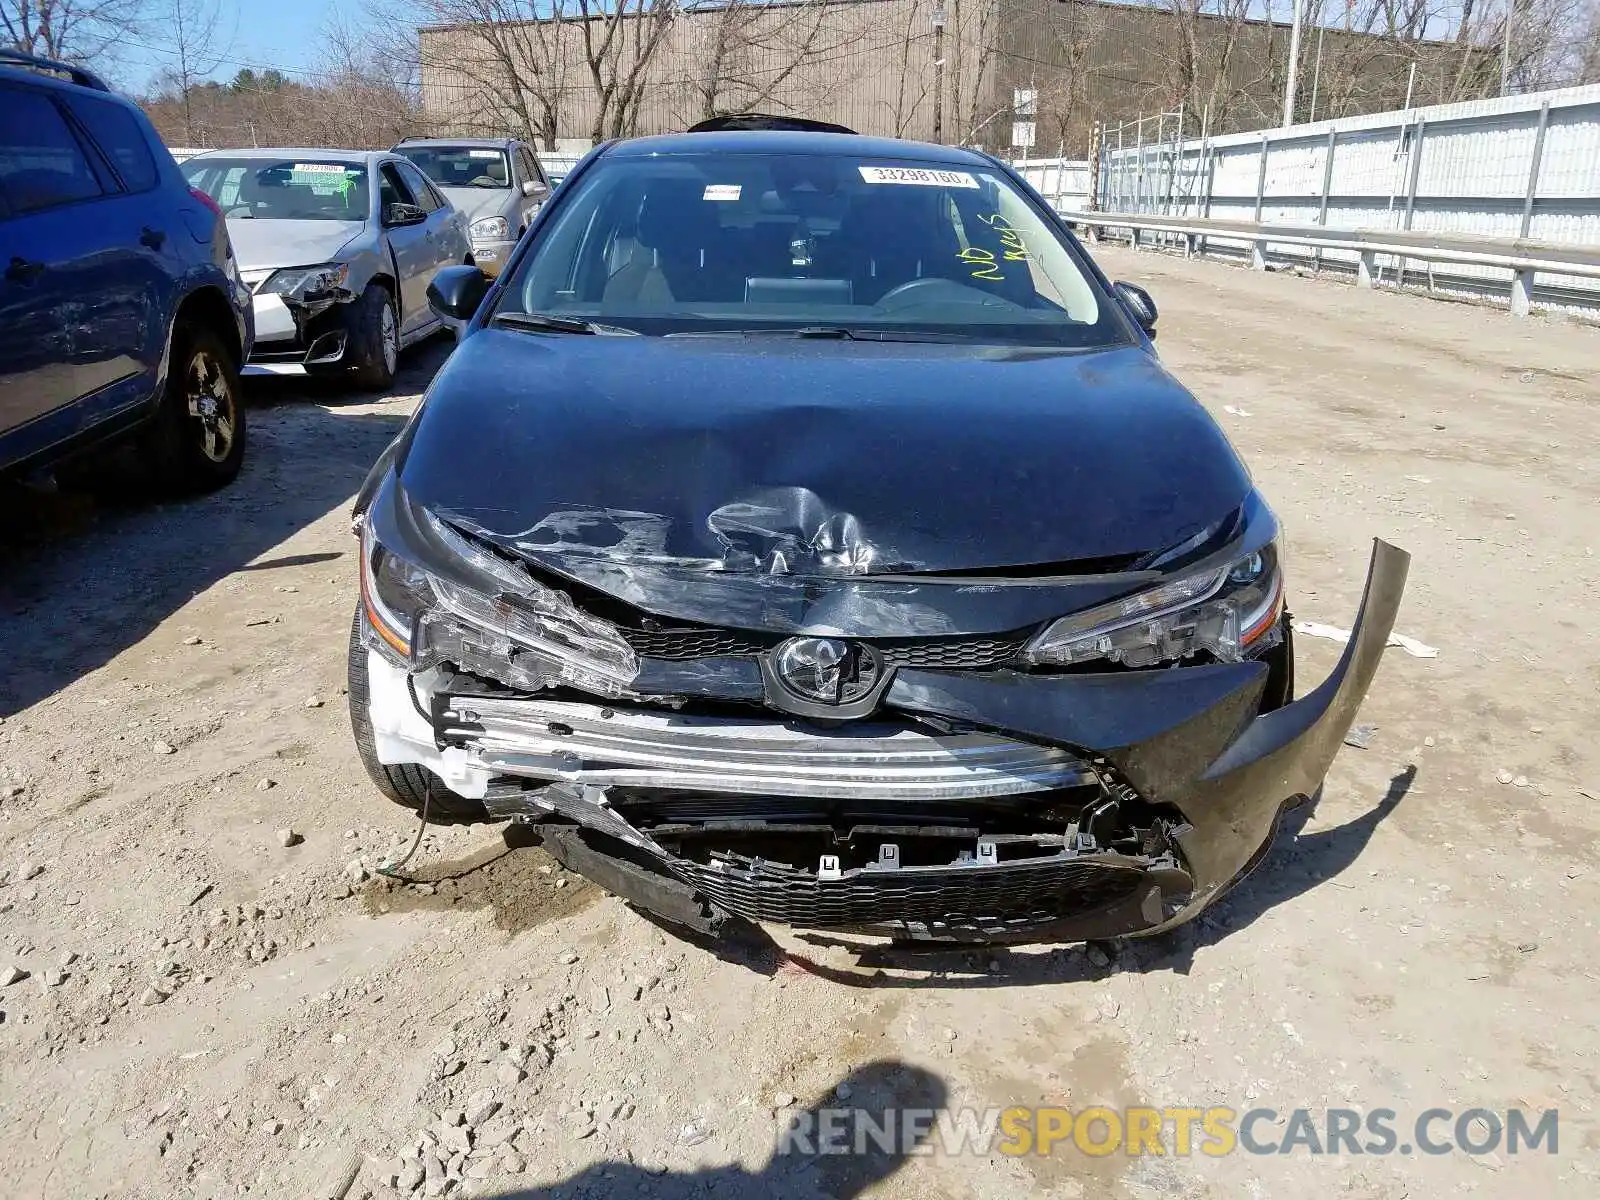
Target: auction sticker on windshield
{"x":918,"y":176}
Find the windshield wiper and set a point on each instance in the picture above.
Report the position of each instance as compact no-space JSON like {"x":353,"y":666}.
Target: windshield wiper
{"x":837,"y":332}
{"x":555,"y":323}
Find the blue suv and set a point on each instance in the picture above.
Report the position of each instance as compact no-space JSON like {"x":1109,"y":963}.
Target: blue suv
{"x":121,"y":308}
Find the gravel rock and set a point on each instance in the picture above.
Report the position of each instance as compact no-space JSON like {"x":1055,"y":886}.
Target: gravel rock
{"x":433,"y":1174}
{"x":1098,"y":956}
{"x":54,"y":977}
{"x":31,"y":870}
{"x":410,"y":1176}
{"x":152,"y":996}
{"x":265,"y":785}
{"x":355,"y":872}
{"x":481,"y":1113}
{"x":288,"y":837}
{"x":12,"y":974}
{"x":314,"y":702}
{"x":191,"y":640}
{"x":696,"y":1132}
{"x":161,"y":747}
{"x":509,"y":1073}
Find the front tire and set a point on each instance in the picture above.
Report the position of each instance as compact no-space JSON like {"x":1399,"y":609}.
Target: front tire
{"x":405,"y":783}
{"x":375,"y":339}
{"x":196,"y":441}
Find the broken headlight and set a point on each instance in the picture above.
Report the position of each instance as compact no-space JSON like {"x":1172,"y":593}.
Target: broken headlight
{"x":1226,"y":612}
{"x":503,"y":623}
{"x":307,"y":283}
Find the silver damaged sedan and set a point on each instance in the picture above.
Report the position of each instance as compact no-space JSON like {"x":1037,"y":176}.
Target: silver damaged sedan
{"x":338,"y":248}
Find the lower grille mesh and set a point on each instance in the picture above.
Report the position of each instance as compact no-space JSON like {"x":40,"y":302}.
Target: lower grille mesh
{"x":1008,"y":894}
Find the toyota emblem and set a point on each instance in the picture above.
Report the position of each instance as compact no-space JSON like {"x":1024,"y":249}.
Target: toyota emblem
{"x":826,"y":670}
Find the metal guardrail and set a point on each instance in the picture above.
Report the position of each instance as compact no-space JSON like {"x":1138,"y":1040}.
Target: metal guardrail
{"x":1523,"y":257}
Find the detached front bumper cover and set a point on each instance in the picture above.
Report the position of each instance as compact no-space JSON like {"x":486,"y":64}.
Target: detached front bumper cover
{"x":1185,"y":741}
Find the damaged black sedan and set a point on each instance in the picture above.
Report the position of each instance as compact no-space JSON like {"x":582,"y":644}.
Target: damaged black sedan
{"x":806,"y":531}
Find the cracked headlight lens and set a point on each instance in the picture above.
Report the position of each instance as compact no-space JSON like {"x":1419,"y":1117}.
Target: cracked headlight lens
{"x":508,"y":625}
{"x":1226,"y":612}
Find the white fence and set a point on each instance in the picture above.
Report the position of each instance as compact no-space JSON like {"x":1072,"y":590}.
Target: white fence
{"x":1064,"y":182}
{"x":557,"y":165}
{"x":1524,"y":167}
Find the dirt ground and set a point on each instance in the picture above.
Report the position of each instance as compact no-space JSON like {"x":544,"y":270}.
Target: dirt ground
{"x":208,"y":1012}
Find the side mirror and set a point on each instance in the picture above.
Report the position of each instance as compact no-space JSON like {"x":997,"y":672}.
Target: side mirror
{"x":1139,"y":305}
{"x":398,"y":214}
{"x":532,"y":187}
{"x":456,"y":292}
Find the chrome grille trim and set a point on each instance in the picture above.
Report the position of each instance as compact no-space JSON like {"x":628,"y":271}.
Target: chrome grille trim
{"x":747,"y":756}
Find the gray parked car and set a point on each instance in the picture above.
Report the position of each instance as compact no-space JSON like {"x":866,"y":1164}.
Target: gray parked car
{"x":497,"y":182}
{"x":338,"y":248}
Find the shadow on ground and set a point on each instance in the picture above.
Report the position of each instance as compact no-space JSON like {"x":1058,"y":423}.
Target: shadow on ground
{"x":823,"y":1158}
{"x":1297,"y":863}
{"x":85,"y":574}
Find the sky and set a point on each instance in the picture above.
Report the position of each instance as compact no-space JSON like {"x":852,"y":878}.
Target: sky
{"x":256,"y":33}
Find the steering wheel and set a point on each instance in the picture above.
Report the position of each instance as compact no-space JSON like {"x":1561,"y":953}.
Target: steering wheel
{"x":914,"y":293}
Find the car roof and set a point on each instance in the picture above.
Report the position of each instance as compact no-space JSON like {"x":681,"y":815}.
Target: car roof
{"x":786,"y":141}
{"x":309,"y":153}
{"x":499,"y":143}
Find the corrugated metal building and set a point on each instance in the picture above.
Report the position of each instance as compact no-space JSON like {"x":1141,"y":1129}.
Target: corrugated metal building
{"x":870,"y":64}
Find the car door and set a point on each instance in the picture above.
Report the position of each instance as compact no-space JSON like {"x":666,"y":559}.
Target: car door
{"x":50,"y":259}
{"x":124,"y":325}
{"x":444,"y":222}
{"x":415,"y":255}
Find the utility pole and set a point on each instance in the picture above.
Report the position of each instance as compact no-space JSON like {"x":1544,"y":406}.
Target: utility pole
{"x":938,"y":71}
{"x":1294,"y":66}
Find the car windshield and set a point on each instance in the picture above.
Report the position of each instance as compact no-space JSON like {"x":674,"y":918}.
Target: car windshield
{"x":288,"y":189}
{"x":462,"y":166}
{"x":853,"y":246}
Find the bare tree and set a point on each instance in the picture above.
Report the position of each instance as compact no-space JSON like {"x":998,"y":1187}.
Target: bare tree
{"x":745,"y":53}
{"x":68,"y":30}
{"x":194,"y":39}
{"x":620,"y":38}
{"x":912,"y":82}
{"x":496,"y":66}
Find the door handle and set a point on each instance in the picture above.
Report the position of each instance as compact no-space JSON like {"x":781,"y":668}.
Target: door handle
{"x":154,"y":238}
{"x":21,"y":270}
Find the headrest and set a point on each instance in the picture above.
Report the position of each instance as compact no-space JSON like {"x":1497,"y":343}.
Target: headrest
{"x":676,"y":214}
{"x":890,"y":214}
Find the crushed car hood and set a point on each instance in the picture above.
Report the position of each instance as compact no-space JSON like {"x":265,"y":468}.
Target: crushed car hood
{"x":479,"y":202}
{"x":768,"y":456}
{"x":265,"y":244}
